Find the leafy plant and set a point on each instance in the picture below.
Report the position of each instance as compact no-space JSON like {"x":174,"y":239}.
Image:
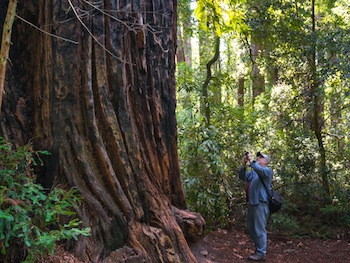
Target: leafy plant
{"x":28,"y":216}
{"x":284,"y":223}
{"x":204,"y":181}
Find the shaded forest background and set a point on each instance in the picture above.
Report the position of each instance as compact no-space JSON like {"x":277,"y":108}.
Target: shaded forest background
{"x":270,"y":76}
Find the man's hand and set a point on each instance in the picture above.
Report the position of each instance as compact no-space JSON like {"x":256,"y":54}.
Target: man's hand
{"x":246,"y":158}
{"x":249,"y":157}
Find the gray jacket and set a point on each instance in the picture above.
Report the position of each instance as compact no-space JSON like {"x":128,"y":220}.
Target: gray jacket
{"x":256,"y":191}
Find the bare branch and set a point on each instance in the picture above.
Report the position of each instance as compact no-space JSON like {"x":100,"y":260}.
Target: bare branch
{"x":111,"y":16}
{"x":92,"y":35}
{"x":132,"y":27}
{"x":48,"y":33}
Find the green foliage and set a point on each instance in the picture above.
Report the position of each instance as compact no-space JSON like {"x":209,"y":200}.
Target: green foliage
{"x":334,"y":214}
{"x":280,"y":121}
{"x":284,"y":223}
{"x":29,"y":217}
{"x":209,"y":14}
{"x":204,"y":181}
{"x":220,"y":16}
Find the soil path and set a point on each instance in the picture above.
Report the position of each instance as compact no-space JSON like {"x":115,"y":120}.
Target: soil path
{"x":224,"y":246}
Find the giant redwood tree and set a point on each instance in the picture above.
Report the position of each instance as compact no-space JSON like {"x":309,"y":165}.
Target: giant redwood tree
{"x":93,"y":83}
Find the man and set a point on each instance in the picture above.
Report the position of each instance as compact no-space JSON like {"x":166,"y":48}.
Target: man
{"x":257,"y":200}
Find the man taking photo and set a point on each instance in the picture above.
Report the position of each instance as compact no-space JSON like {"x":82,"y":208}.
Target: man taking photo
{"x":257,"y":200}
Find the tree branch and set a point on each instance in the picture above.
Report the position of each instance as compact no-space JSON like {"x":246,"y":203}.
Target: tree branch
{"x":48,"y":33}
{"x":93,"y":36}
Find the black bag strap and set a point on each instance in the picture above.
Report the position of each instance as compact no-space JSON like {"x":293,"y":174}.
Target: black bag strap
{"x":262,"y":181}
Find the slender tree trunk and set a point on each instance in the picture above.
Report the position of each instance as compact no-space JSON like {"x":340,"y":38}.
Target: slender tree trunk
{"x":180,"y":54}
{"x":105,"y":109}
{"x":205,"y":87}
{"x":273,"y":76}
{"x":6,"y":43}
{"x":184,"y":47}
{"x":336,"y":116}
{"x":240,"y":91}
{"x":257,"y":11}
{"x":317,"y":106}
{"x":258,"y":80}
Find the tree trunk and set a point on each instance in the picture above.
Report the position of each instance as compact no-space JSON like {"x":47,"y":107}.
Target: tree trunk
{"x":205,"y":101}
{"x":240,"y":92}
{"x":184,"y":47}
{"x":256,"y":11}
{"x":6,"y":43}
{"x":180,"y":55}
{"x":317,"y":108}
{"x":103,"y":103}
{"x":258,"y":80}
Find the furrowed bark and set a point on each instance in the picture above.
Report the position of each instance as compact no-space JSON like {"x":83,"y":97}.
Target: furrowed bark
{"x":105,"y":109}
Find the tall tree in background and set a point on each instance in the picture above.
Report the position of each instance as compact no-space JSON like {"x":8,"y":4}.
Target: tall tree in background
{"x":206,"y":93}
{"x":93,"y":83}
{"x":316,"y":103}
{"x":184,"y":49}
{"x":209,"y":29}
{"x":256,"y":47}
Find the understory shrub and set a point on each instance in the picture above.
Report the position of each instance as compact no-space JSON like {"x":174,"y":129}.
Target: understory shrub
{"x":29,"y":217}
{"x":284,"y":223}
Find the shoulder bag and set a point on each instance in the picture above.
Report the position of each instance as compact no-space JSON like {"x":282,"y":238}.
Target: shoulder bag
{"x":275,"y":200}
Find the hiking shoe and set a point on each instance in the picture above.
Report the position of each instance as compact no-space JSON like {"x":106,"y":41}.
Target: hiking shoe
{"x":256,"y":257}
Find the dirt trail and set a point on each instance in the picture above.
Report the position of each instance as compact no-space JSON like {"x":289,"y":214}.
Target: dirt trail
{"x":224,"y":246}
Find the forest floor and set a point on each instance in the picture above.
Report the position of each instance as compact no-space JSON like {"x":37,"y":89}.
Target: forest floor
{"x":231,"y":246}
{"x":228,"y":246}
